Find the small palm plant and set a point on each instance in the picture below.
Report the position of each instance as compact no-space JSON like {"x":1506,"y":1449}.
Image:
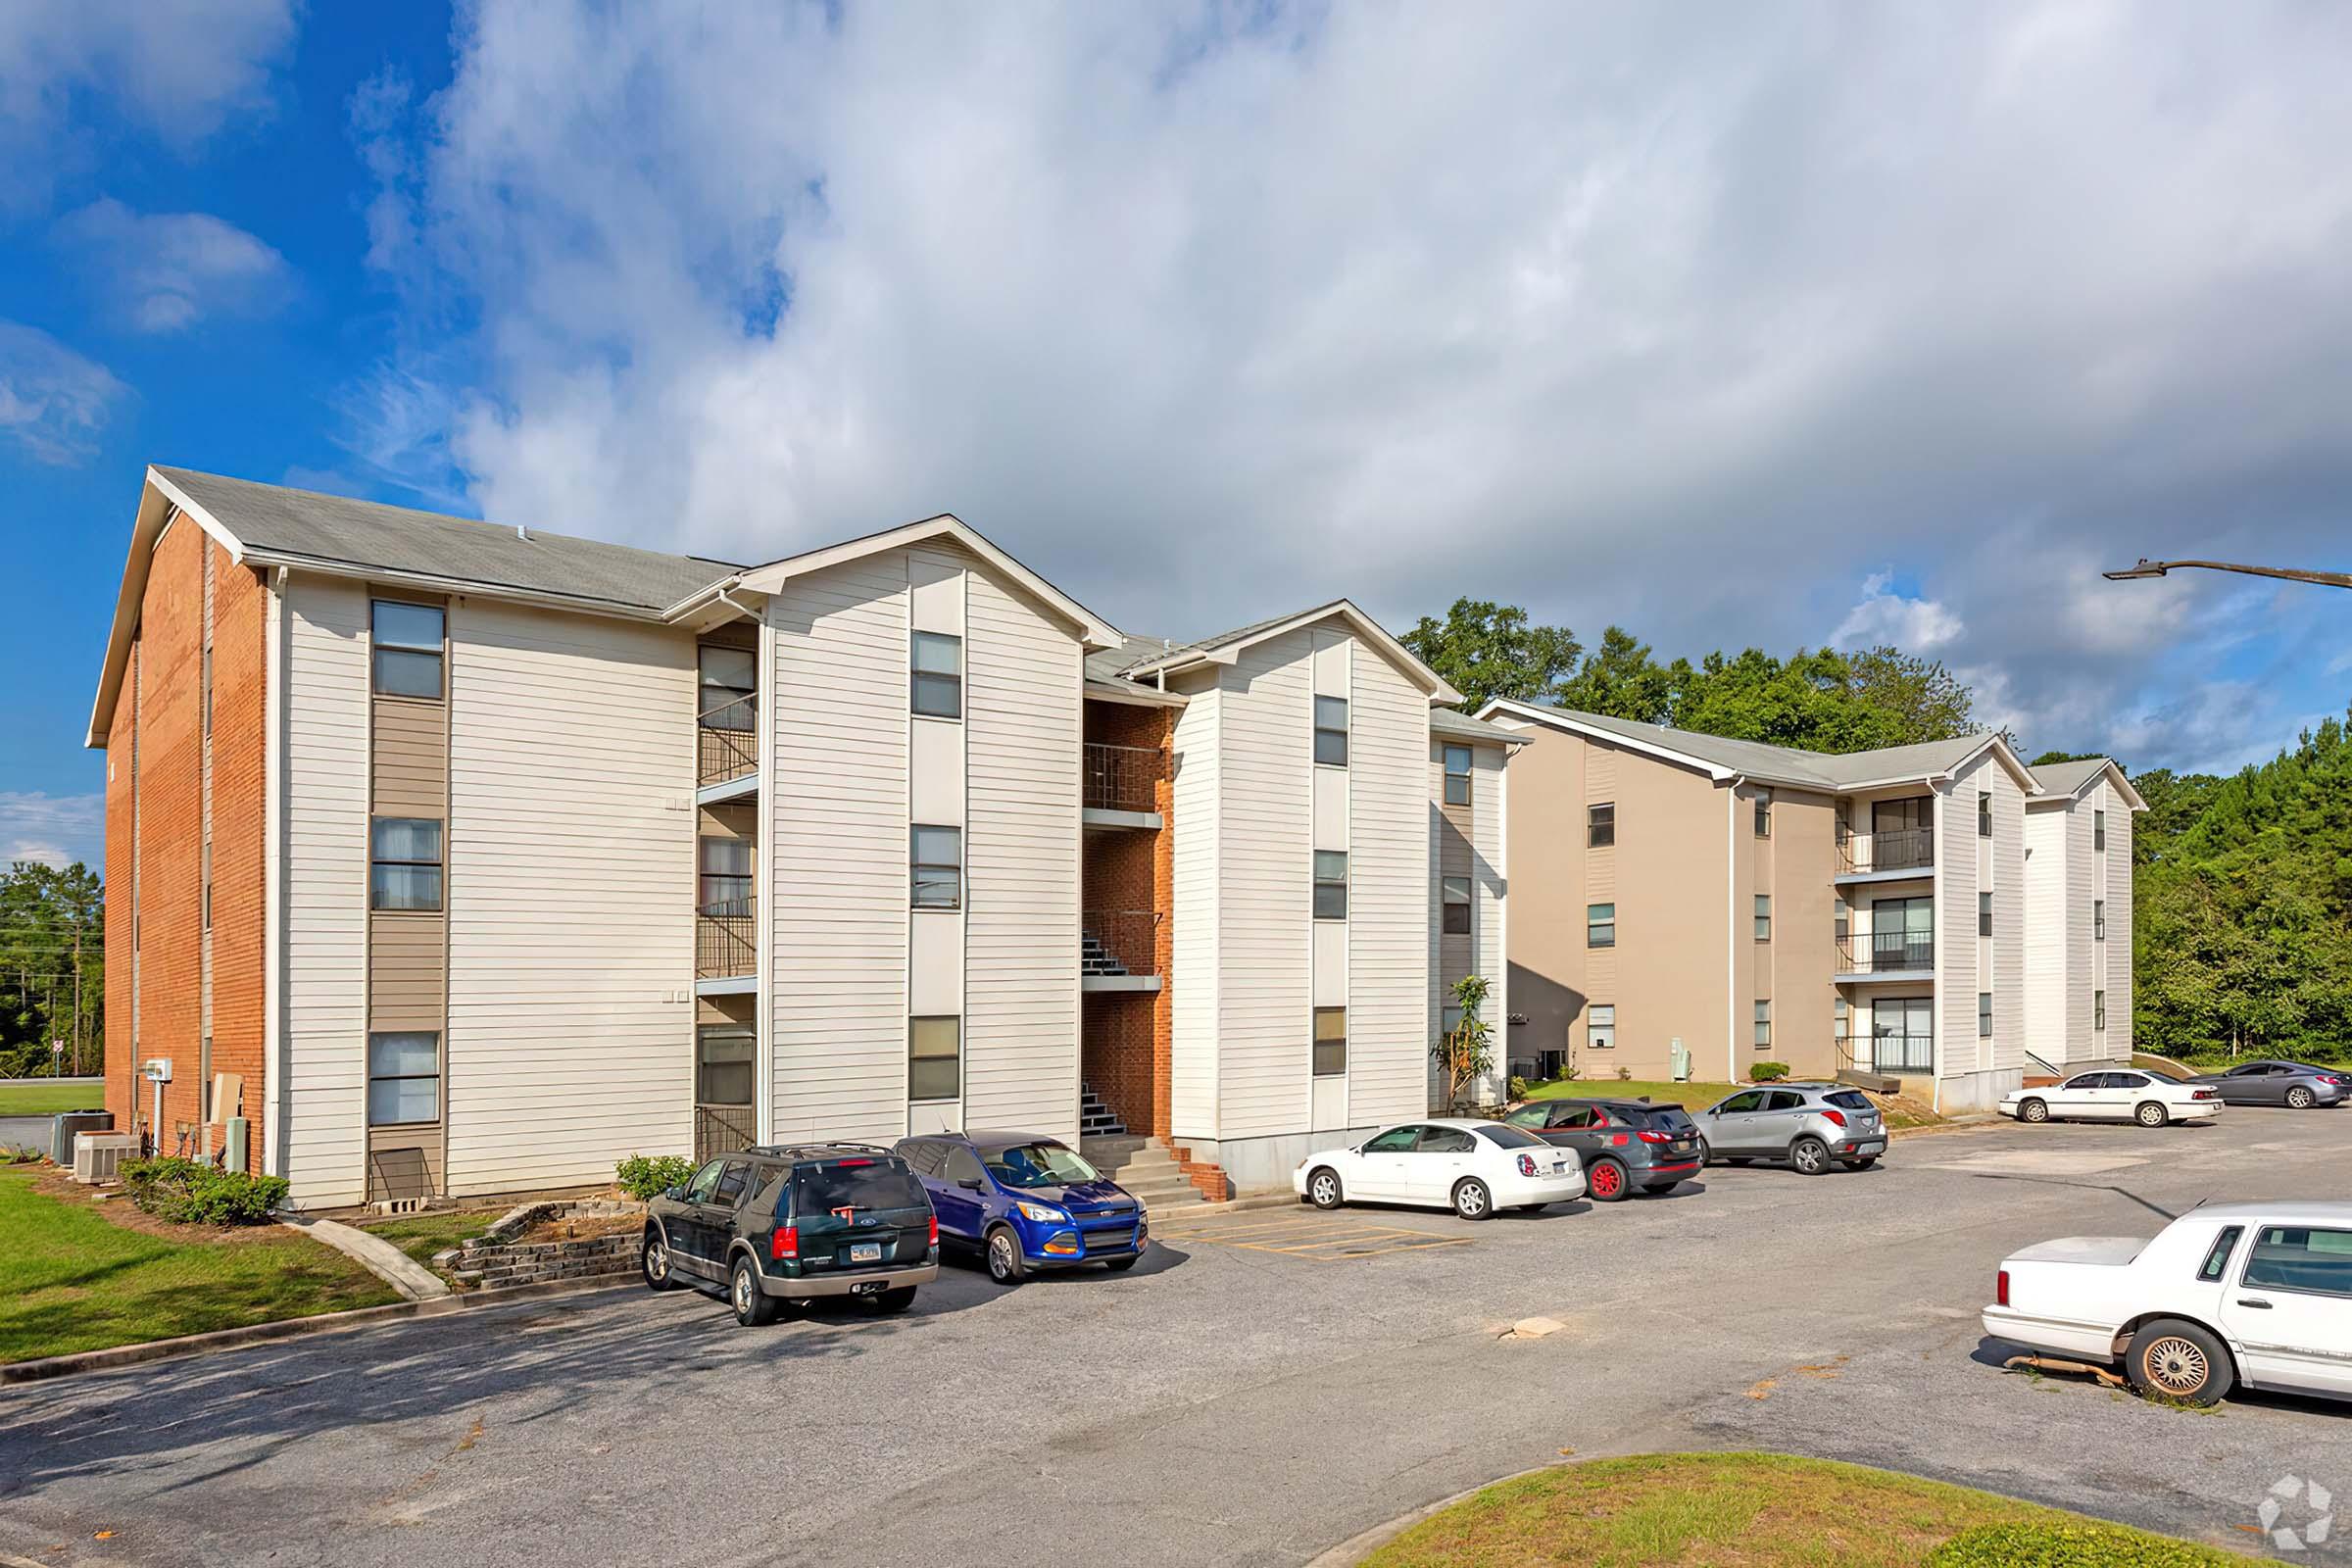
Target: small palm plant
{"x":1465,"y":1053}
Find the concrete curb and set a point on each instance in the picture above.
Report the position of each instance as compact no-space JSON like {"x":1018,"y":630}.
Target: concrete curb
{"x":1357,"y":1547}
{"x":1231,"y":1205}
{"x":292,"y":1327}
{"x":373,"y":1253}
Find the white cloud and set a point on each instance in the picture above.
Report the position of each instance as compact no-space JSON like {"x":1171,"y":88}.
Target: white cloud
{"x":164,"y":270}
{"x":1912,"y":622}
{"x":179,"y":70}
{"x":53,"y":401}
{"x":52,"y":829}
{"x":1213,"y":313}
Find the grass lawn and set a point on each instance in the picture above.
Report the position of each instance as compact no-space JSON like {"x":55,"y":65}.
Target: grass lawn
{"x":1760,"y":1510}
{"x":1697,"y":1096}
{"x":46,"y":1100}
{"x":421,"y":1235}
{"x":76,"y":1275}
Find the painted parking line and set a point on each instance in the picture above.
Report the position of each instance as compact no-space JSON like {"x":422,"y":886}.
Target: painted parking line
{"x":1314,"y":1239}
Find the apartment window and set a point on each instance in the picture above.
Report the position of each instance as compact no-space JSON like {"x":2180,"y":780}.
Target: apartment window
{"x":1842,"y":1018}
{"x":2098,"y":920}
{"x":1331,"y":731}
{"x":1600,"y":825}
{"x":1600,"y":925}
{"x":2098,"y":1011}
{"x":206,"y":678}
{"x":1763,"y":1024}
{"x":1984,"y":1015}
{"x":1331,"y":885}
{"x":936,"y":676}
{"x":1763,"y":814}
{"x":1453,"y":893}
{"x":406,"y":647}
{"x":1457,"y":776}
{"x":934,"y":1059}
{"x":405,"y":869}
{"x":730,"y":688}
{"x":1601,"y":1026}
{"x":1984,"y":914}
{"x":726,"y":877}
{"x":936,"y":854}
{"x":2098,"y":830}
{"x":208,"y":903}
{"x":1763,"y":917}
{"x":404,"y":1077}
{"x":1984,"y":813}
{"x":725,"y":1068}
{"x":1842,"y":919}
{"x":1331,"y":1040}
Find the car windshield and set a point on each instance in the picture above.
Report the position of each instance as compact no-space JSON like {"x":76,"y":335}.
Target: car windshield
{"x":1508,"y":1137}
{"x":1039,"y":1164}
{"x":857,"y":1184}
{"x":2161,"y":1076}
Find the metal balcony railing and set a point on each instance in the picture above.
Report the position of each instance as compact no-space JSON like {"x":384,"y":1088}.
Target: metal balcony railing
{"x":1119,"y":941}
{"x":1123,"y":778}
{"x":1894,"y":850}
{"x":727,"y":744}
{"x":723,"y":947}
{"x":1889,"y":955}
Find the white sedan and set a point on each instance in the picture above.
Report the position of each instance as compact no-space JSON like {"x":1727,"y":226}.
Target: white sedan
{"x":2258,"y":1293}
{"x":2115,"y":1094}
{"x":1472,"y":1167}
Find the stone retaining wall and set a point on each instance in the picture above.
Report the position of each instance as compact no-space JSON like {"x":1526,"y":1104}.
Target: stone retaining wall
{"x":496,"y":1259}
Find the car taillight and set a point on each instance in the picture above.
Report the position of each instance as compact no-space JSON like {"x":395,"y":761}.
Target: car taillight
{"x":1527,"y":1164}
{"x":1838,"y":1116}
{"x":1648,"y":1137}
{"x":2207,"y":1094}
{"x":935,"y":1230}
{"x":2000,"y":1288}
{"x":785,"y":1242}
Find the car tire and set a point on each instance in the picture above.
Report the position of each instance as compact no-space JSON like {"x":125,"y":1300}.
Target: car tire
{"x":753,"y":1306}
{"x":1472,"y":1200}
{"x":1606,"y":1182}
{"x":1121,"y":1266}
{"x":2151,"y":1113}
{"x":2034,"y":1110}
{"x":653,"y":1261}
{"x":2299,"y":1097}
{"x":2180,"y":1360}
{"x":897,"y":1300}
{"x":1809,"y":1155}
{"x":1707,"y":1154}
{"x":1004,"y":1262}
{"x":1323,"y":1188}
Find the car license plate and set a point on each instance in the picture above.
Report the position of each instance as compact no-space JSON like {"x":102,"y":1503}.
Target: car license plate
{"x":1684,"y":1146}
{"x":1873,"y":1146}
{"x":1559,"y":1167}
{"x":865,"y":1252}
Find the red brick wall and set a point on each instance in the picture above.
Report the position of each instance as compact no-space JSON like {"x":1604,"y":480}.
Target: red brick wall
{"x":166,"y":707}
{"x":1127,"y":1035}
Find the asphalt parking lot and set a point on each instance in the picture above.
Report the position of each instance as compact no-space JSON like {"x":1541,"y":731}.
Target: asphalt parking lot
{"x":1268,"y":1384}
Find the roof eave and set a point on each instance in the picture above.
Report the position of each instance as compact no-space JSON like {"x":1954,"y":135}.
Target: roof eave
{"x":158,"y":499}
{"x":1434,"y":685}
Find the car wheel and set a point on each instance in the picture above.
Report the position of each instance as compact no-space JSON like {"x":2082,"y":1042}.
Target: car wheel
{"x":1707,"y":1154}
{"x":1471,"y":1199}
{"x":1121,"y":1266}
{"x":2151,"y":1113}
{"x":897,"y":1300}
{"x":2034,"y":1110}
{"x":1605,"y":1181}
{"x":2180,"y":1361}
{"x":1323,"y":1188}
{"x":2299,"y":1097}
{"x":1863,"y":1163}
{"x":1810,"y":1157}
{"x":1004,"y":1264}
{"x":654,"y":1261}
{"x":753,"y":1305}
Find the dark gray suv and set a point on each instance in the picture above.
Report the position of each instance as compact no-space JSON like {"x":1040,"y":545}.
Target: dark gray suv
{"x":1810,"y":1125}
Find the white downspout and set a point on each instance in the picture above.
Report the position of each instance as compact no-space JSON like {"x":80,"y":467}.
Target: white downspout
{"x":1731,"y":929}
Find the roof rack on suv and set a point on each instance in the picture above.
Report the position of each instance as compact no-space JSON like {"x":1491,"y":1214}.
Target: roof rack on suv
{"x":818,"y":1148}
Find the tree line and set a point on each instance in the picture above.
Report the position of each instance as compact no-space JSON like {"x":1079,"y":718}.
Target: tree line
{"x":52,"y":969}
{"x":2241,"y":886}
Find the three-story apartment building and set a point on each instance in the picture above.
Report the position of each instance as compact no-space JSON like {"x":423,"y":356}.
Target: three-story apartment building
{"x":1690,"y":905}
{"x":463,"y":859}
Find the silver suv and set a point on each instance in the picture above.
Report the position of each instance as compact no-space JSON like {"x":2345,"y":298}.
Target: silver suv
{"x":1808,"y":1125}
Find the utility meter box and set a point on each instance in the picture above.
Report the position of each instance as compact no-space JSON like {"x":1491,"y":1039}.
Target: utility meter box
{"x":156,"y":1069}
{"x":1680,"y":1055}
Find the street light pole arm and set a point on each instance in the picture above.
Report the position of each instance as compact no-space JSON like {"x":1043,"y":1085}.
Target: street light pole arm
{"x":2157,"y":568}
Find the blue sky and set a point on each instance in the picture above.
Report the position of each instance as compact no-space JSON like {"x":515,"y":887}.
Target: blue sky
{"x":1823,"y":326}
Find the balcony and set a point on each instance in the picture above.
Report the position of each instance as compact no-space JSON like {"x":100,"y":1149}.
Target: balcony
{"x":727,"y":752}
{"x":1120,"y":784}
{"x":1888,"y":855}
{"x":726,"y":956}
{"x":1118,"y":950}
{"x":1898,"y":956}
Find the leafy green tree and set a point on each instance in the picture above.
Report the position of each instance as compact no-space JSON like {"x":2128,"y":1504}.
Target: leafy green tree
{"x":1485,"y":650}
{"x":52,"y":967}
{"x":1620,"y":679}
{"x":1922,"y":699}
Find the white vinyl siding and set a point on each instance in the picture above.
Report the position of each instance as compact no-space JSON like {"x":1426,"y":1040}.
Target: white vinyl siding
{"x":1192,"y":1002}
{"x":2120,"y":828}
{"x":2082,"y":954}
{"x":838,"y":847}
{"x":1391,"y":899}
{"x":2047,"y":1034}
{"x":1957,"y":858}
{"x":1022,"y":727}
{"x":2007,"y":944}
{"x":326,"y":982}
{"x":570,"y":865}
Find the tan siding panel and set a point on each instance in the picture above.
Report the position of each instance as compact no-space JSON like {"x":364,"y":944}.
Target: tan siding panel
{"x":1192,"y":1002}
{"x":1264,"y":888}
{"x":1390,"y":901}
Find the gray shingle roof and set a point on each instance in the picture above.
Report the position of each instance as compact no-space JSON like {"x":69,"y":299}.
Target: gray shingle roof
{"x":337,"y":530}
{"x":1788,"y":764}
{"x":1454,"y":724}
{"x":1107,"y":665}
{"x":2063,"y":778}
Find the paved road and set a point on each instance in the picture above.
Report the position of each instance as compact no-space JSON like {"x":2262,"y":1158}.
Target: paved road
{"x":25,"y":1132}
{"x":1271,"y":1383}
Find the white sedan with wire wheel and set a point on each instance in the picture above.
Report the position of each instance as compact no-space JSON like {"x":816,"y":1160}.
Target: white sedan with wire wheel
{"x":2150,"y":1098}
{"x":1472,"y":1167}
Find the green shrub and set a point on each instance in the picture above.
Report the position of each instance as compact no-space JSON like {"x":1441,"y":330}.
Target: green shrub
{"x":644,"y":1176}
{"x":1519,"y":1088}
{"x":1764,"y":1072}
{"x":2068,"y":1546}
{"x":192,"y":1191}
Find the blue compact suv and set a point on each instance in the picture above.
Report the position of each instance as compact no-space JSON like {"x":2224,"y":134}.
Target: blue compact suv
{"x":1026,"y":1201}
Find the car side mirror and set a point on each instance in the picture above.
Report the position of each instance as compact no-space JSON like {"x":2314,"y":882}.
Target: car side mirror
{"x":970,"y":1184}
